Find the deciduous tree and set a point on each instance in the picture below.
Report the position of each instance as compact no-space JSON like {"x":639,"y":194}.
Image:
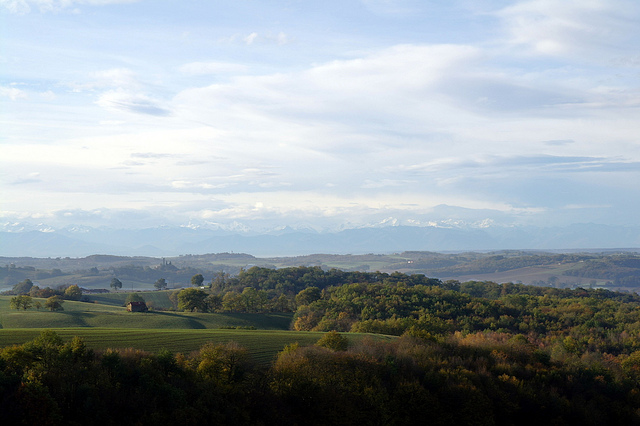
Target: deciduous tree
{"x":54,"y":303}
{"x":160,"y":284}
{"x":282,"y":304}
{"x":116,"y":284}
{"x":21,"y":302}
{"x":192,"y":299}
{"x":214,"y":302}
{"x":23,"y":287}
{"x":219,"y":281}
{"x":73,"y":292}
{"x":133,"y":297}
{"x":308,"y":296}
{"x":197,"y":280}
{"x":334,"y":341}
{"x":222,"y":363}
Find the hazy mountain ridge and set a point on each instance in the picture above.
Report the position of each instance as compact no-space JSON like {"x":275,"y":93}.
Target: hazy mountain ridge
{"x":173,"y":241}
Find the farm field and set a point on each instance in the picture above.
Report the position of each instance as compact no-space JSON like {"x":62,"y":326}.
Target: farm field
{"x":154,"y":299}
{"x":529,"y":275}
{"x":104,"y":326}
{"x":82,"y":314}
{"x":613,"y":270}
{"x":262,"y":345}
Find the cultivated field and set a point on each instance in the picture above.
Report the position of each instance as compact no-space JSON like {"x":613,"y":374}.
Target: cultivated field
{"x":111,"y":326}
{"x":262,"y":345}
{"x":81,"y":314}
{"x":154,"y":299}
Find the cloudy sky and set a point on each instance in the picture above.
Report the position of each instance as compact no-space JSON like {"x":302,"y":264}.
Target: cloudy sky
{"x":329,"y":114}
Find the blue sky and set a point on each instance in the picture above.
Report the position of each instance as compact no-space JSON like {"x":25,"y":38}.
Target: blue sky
{"x":335,"y":114}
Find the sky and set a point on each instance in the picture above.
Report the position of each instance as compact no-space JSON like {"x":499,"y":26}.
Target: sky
{"x":253,"y":114}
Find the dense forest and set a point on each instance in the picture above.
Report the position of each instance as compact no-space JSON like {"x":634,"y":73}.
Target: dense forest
{"x":467,"y":353}
{"x":473,"y":379}
{"x":561,"y":321}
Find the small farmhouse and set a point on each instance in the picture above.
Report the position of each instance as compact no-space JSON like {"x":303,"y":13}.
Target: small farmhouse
{"x":137,"y":307}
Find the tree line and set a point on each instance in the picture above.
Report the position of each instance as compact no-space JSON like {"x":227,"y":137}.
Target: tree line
{"x":26,"y":291}
{"x":477,"y":379}
{"x":260,"y":289}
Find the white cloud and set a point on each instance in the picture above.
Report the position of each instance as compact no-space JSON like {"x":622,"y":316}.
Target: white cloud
{"x":372,"y":130}
{"x":279,"y":38}
{"x":25,"y":6}
{"x":124,"y":101}
{"x":48,"y":95}
{"x":12,"y":93}
{"x":559,"y":142}
{"x":282,"y":38}
{"x":126,"y":94}
{"x":337,"y":127}
{"x":383,"y":183}
{"x":392,"y":7}
{"x":116,"y":77}
{"x":395,"y":85}
{"x":16,"y":6}
{"x":204,"y":68}
{"x":572,"y":27}
{"x":33,"y":177}
{"x":183,"y":184}
{"x":251,"y":38}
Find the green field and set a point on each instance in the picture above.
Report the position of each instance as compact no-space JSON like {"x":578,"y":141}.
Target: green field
{"x":154,"y":299}
{"x":81,"y":314}
{"x":262,"y":345}
{"x":105,"y":326}
{"x":531,"y":274}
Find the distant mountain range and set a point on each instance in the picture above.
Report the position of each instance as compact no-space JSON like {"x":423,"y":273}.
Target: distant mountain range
{"x":173,"y":241}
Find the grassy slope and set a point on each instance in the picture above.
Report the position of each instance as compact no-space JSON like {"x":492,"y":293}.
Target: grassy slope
{"x":262,"y":345}
{"x":111,"y":326}
{"x":156,"y":299}
{"x":90,"y":281}
{"x":529,"y":275}
{"x":79,"y":314}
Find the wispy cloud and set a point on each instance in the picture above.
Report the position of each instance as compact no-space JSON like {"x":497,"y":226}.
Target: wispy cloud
{"x":26,"y":6}
{"x":260,"y":38}
{"x":205,"y":68}
{"x":184,"y":184}
{"x":559,"y":142}
{"x":385,"y":108}
{"x":30,"y":178}
{"x":381,"y":87}
{"x":12,"y":93}
{"x":571,"y":27}
{"x":383,"y":183}
{"x":392,"y":7}
{"x":120,"y":100}
{"x":251,"y":38}
{"x":519,"y":165}
{"x":152,"y":155}
{"x":111,"y":78}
